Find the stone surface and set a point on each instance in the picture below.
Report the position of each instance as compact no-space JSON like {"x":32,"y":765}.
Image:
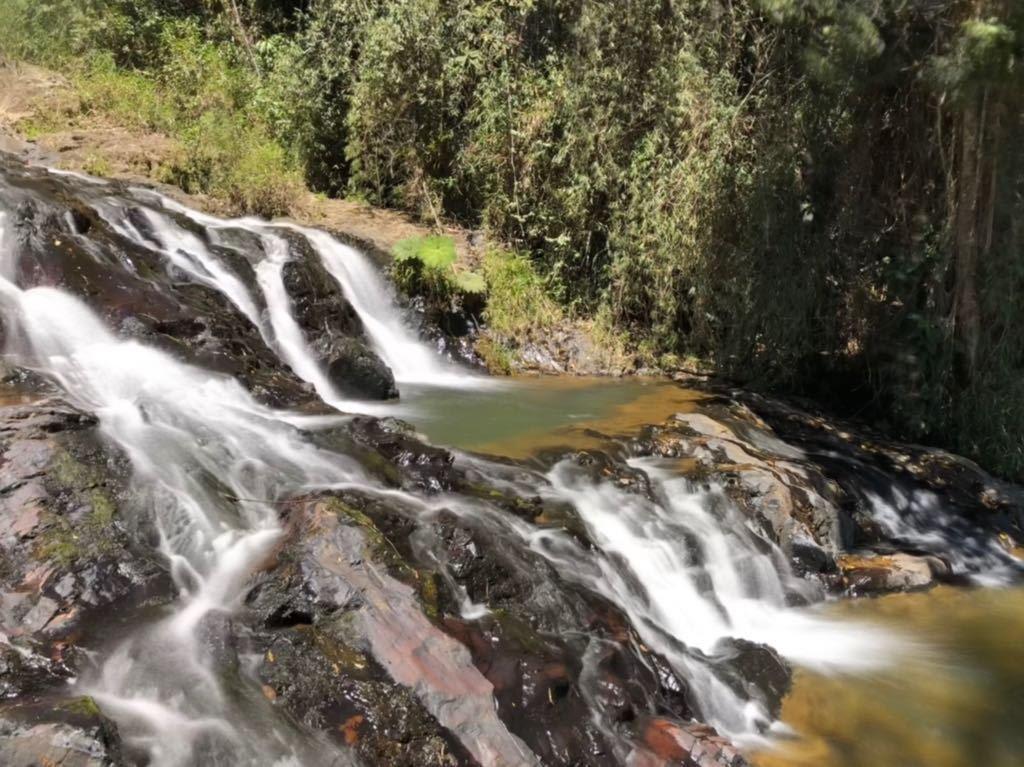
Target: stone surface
{"x":358,"y":371}
{"x":877,"y":573}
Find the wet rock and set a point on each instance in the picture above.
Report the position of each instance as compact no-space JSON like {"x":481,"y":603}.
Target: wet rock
{"x":809,"y":558}
{"x":72,"y":734}
{"x":888,"y":490}
{"x":65,"y":554}
{"x":409,"y":462}
{"x":357,"y":605}
{"x":318,"y":303}
{"x":755,"y":671}
{"x":876,"y":573}
{"x":520,"y":642}
{"x":333,"y":327}
{"x":136,"y":289}
{"x":331,"y":686}
{"x":667,"y":743}
{"x":359,"y":372}
{"x":602,"y":467}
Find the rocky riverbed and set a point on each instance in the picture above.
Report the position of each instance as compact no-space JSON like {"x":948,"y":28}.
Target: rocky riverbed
{"x":354,"y":594}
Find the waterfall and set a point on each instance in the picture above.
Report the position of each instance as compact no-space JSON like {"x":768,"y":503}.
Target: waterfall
{"x":687,"y":569}
{"x":690,"y":573}
{"x":211,"y":464}
{"x":186,"y":432}
{"x":410,"y":359}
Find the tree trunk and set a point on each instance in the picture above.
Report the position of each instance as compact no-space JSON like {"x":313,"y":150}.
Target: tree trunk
{"x":966,"y":314}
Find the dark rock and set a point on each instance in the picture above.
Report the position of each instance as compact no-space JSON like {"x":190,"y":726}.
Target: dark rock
{"x":808,"y":558}
{"x":410,"y":463}
{"x":381,"y":674}
{"x":318,"y":303}
{"x":755,"y":671}
{"x":359,"y":372}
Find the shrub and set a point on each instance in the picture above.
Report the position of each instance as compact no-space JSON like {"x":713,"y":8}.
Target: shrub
{"x":518,"y":302}
{"x":427,"y":267}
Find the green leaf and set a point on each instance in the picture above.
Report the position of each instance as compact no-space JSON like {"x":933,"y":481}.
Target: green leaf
{"x":470,"y":282}
{"x":435,"y":252}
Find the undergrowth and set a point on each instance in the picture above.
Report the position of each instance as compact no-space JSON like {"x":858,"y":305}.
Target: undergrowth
{"x":194,"y":88}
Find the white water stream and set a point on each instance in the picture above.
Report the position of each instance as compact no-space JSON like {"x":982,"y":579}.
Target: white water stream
{"x":364,"y":288}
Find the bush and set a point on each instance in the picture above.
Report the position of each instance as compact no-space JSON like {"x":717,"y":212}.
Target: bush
{"x":195,"y":87}
{"x":518,"y":303}
{"x":427,"y":267}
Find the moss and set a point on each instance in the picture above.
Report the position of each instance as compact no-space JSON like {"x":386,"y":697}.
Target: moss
{"x":498,"y":357}
{"x":103,"y":509}
{"x":517,"y":630}
{"x":84,"y":706}
{"x":91,"y":534}
{"x":58,"y":543}
{"x":72,"y":473}
{"x":343,"y":657}
{"x":378,"y":464}
{"x":429,"y":593}
{"x":378,"y":547}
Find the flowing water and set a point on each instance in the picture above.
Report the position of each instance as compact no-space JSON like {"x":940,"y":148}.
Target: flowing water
{"x":212,"y":464}
{"x":955,"y":702}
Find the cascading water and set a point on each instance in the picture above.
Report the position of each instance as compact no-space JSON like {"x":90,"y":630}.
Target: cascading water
{"x":209,"y":464}
{"x":410,"y":359}
{"x":691,"y":574}
{"x":212,"y":466}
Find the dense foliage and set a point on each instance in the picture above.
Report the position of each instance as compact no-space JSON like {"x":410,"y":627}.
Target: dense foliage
{"x":820,"y":195}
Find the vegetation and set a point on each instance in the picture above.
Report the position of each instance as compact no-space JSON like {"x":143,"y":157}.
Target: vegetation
{"x":150,"y":67}
{"x":426,"y":266}
{"x":819,"y":196}
{"x":518,"y":299}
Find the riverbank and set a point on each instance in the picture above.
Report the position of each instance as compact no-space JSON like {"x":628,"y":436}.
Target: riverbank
{"x":42,"y":121}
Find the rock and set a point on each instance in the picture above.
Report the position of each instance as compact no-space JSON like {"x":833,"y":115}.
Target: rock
{"x":318,"y":303}
{"x":755,"y":671}
{"x":395,"y":452}
{"x":809,"y":558}
{"x":875,"y":573}
{"x":333,"y":328}
{"x":667,"y":743}
{"x":64,"y":549}
{"x":360,"y":614}
{"x":359,"y":372}
{"x":72,"y":734}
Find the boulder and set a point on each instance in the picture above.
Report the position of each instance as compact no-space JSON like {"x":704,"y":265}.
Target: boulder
{"x":872,"y":573}
{"x":70,"y":734}
{"x":358,"y":371}
{"x":56,"y":744}
{"x":755,"y":671}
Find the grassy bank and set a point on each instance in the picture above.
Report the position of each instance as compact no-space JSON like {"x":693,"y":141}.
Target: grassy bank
{"x":138,"y":68}
{"x":819,"y":197}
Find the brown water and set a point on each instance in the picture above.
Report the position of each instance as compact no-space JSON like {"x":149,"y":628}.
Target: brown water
{"x":955,"y":700}
{"x":16,"y":394}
